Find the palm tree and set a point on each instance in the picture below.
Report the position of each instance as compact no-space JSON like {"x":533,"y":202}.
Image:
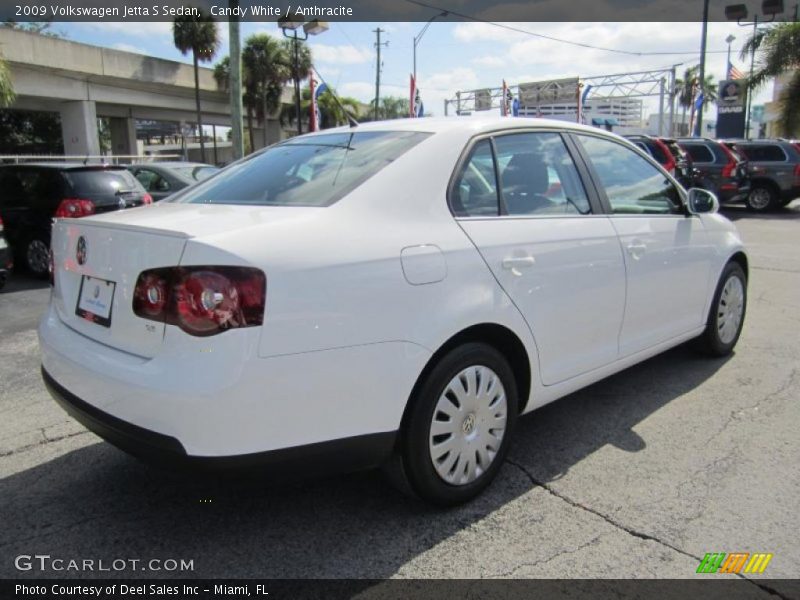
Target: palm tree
{"x":685,"y":90}
{"x":6,"y":86}
{"x":778,"y":49}
{"x":200,"y":36}
{"x":222,"y":75}
{"x":332,"y":114}
{"x":299,"y":66}
{"x":266,"y":63}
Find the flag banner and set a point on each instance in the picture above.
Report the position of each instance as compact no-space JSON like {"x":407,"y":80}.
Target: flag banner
{"x":313,"y":118}
{"x":698,"y":106}
{"x":418,"y":107}
{"x":734,"y":73}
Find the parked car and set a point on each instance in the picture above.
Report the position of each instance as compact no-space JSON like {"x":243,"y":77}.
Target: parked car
{"x":6,"y":260}
{"x":33,"y":194}
{"x":774,"y":170}
{"x":718,"y":169}
{"x":393,"y":294}
{"x":165,"y":178}
{"x":667,"y":153}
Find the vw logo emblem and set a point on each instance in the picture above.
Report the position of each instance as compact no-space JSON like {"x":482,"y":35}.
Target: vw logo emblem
{"x":80,"y":251}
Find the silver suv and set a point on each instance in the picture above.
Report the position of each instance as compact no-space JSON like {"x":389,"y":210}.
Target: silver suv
{"x":774,"y":169}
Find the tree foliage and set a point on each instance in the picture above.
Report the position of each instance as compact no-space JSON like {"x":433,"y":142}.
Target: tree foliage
{"x":777,"y":49}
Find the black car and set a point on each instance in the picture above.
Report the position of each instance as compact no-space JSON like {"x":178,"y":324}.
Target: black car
{"x":6,"y":262}
{"x":32,"y":195}
{"x":718,"y":168}
{"x":774,"y":170}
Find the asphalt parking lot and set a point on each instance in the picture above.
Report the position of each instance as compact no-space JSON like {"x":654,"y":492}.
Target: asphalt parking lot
{"x":637,"y":476}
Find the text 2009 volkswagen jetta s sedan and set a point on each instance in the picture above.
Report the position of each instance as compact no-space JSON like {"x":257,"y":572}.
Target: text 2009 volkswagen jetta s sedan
{"x":396,"y":292}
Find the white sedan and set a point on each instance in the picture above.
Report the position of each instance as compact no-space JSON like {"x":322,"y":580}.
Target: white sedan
{"x":396,"y":293}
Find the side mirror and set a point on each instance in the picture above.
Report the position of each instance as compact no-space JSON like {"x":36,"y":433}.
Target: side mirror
{"x":701,"y":201}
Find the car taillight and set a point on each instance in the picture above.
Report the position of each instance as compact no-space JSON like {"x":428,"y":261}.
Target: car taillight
{"x":147,"y":199}
{"x":729,"y":170}
{"x":1,"y":223}
{"x":202,"y":300}
{"x":73,"y":208}
{"x":670,"y":164}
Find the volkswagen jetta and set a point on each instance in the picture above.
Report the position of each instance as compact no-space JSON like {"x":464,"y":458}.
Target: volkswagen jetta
{"x":396,"y":293}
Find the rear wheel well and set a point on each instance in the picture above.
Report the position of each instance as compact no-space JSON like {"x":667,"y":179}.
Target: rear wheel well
{"x":766,"y":183}
{"x":501,"y":339}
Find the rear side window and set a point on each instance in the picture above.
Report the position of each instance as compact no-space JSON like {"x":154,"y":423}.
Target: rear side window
{"x":763,"y":153}
{"x":536,"y":175}
{"x":101,"y":181}
{"x":314,"y":171}
{"x":700,"y":153}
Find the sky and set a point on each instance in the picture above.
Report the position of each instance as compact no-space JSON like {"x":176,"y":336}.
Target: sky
{"x":464,"y":56}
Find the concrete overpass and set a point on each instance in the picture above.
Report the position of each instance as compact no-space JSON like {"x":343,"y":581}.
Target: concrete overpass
{"x":83,"y":82}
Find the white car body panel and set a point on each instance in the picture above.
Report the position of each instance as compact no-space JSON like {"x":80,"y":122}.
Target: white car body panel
{"x":361,"y":294}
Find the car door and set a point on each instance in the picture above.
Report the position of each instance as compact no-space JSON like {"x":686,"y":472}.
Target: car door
{"x":521,"y":200}
{"x":667,"y":252}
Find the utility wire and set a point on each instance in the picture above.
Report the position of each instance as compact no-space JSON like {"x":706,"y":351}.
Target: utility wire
{"x":550,"y":37}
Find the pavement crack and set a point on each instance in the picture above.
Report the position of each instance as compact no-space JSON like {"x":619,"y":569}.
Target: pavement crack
{"x":629,"y":530}
{"x":544,"y":561}
{"x":45,"y":440}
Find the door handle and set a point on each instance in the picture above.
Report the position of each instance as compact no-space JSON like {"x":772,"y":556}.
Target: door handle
{"x":518,"y":262}
{"x":636,"y":249}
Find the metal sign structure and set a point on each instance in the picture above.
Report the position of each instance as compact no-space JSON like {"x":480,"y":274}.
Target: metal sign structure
{"x":640,"y":84}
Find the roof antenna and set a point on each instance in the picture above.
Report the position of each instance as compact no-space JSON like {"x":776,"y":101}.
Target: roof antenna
{"x":350,"y":118}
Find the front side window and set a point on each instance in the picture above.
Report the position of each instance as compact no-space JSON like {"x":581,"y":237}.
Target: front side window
{"x":314,"y":171}
{"x":631,"y":183}
{"x":152,"y":181}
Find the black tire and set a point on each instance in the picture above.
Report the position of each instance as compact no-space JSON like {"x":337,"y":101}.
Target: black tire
{"x":35,"y":255}
{"x":763,"y":197}
{"x":711,"y":342}
{"x":413,"y":467}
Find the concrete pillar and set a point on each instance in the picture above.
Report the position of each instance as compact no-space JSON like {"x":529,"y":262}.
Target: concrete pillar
{"x":79,"y":128}
{"x":123,"y":136}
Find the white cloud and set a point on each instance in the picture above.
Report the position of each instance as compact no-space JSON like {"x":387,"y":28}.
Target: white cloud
{"x":489,"y":61}
{"x":342,"y":55}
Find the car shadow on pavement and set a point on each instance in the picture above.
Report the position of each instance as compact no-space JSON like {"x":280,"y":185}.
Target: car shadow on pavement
{"x":96,"y":502}
{"x":788,"y":212}
{"x":21,"y":282}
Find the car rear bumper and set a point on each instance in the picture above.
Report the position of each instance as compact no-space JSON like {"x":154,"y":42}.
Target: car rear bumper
{"x":348,"y":454}
{"x":221,"y":401}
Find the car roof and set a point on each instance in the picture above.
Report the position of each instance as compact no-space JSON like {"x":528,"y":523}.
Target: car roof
{"x":172,"y":163}
{"x":66,"y":166}
{"x":473,"y":125}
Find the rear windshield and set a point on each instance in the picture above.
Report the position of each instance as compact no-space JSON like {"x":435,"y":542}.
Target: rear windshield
{"x":314,"y":171}
{"x":102,"y":181}
{"x":699,"y":153}
{"x":657,"y":150}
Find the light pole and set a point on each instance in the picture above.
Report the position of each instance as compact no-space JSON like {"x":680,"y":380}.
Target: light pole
{"x":703,"y":42}
{"x":729,"y":40}
{"x":314,"y":27}
{"x":738,"y":12}
{"x":418,"y":38}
